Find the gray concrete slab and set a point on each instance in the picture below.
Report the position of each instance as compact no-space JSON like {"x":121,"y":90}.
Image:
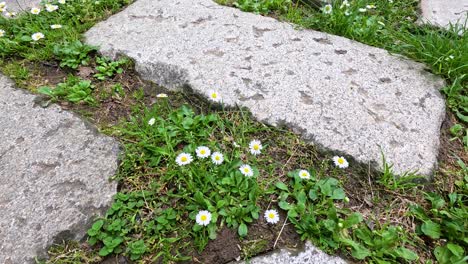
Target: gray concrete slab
{"x":339,"y":94}
{"x":21,"y":5}
{"x":444,"y":12}
{"x":54,"y":175}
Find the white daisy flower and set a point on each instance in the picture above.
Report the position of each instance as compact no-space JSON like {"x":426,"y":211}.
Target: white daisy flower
{"x":61,"y":2}
{"x":2,"y":33}
{"x":371,"y":7}
{"x":51,"y":8}
{"x":303,"y":174}
{"x":215,"y":96}
{"x":327,"y":9}
{"x":35,"y":11}
{"x":10,"y":14}
{"x":271,"y":216}
{"x":255,"y":147}
{"x":347,"y":13}
{"x":184,"y":159}
{"x":344,"y":4}
{"x":55,"y":26}
{"x":217,"y":158}
{"x":362,"y":10}
{"x":152,"y":121}
{"x":161,"y":95}
{"x":37,"y":36}
{"x":203,"y":218}
{"x":203,"y":152}
{"x":340,"y":162}
{"x":246,"y":170}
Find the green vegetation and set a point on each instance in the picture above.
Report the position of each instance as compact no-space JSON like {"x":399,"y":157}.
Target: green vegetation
{"x":173,"y":199}
{"x":107,"y":68}
{"x":73,"y":54}
{"x":73,"y":90}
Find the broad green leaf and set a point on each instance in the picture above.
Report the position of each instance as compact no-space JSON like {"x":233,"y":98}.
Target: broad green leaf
{"x":338,"y":194}
{"x":431,"y":229}
{"x":353,"y":219}
{"x":242,"y":230}
{"x":455,"y":249}
{"x":406,"y":253}
{"x":281,"y":186}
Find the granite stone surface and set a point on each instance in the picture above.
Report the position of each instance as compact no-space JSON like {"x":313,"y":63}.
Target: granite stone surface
{"x":54,"y":175}
{"x":340,"y":94}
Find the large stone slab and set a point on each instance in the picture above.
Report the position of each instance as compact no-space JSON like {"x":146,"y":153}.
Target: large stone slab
{"x":340,"y":94}
{"x":444,"y":12}
{"x":54,"y":175}
{"x":310,"y":255}
{"x":21,"y":5}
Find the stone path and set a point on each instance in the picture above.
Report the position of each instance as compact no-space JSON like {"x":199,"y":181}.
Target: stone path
{"x":310,"y":255}
{"x":338,"y":93}
{"x":54,"y":171}
{"x":443,"y":12}
{"x":21,"y":5}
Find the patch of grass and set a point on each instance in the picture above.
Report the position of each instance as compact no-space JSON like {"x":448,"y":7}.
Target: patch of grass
{"x":75,"y":17}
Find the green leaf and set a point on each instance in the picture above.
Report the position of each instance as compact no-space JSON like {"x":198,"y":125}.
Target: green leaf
{"x":442,"y":255}
{"x":105,"y":251}
{"x":406,"y":253}
{"x":285,"y":205}
{"x":96,"y":226}
{"x":242,"y":230}
{"x":199,"y":198}
{"x":338,"y":194}
{"x":281,"y":186}
{"x":431,"y":229}
{"x":455,"y":249}
{"x":353,"y":219}
{"x":360,"y":252}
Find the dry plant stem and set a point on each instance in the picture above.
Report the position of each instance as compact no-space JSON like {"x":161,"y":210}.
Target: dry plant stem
{"x":281,"y":231}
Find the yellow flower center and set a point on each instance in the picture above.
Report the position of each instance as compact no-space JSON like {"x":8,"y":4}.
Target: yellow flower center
{"x":256,"y":147}
{"x":271,"y":215}
{"x":203,"y":217}
{"x":183,"y":159}
{"x":202,"y":151}
{"x":217,"y":158}
{"x":246,"y":170}
{"x":214,"y":96}
{"x":340,"y":160}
